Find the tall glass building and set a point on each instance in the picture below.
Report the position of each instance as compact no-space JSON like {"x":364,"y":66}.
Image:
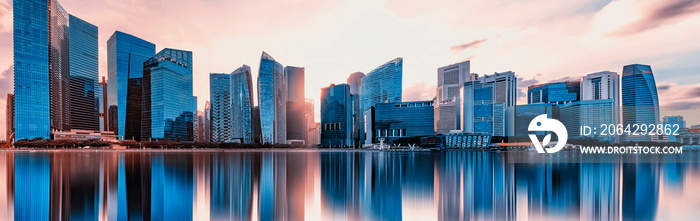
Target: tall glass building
{"x":167,"y":96}
{"x":382,"y":85}
{"x":40,"y":51}
{"x":296,"y":101}
{"x":272,"y":100}
{"x":555,"y":93}
{"x":242,"y":104}
{"x":485,"y":104}
{"x":335,"y":120}
{"x":126,"y":55}
{"x":220,"y":94}
{"x":640,"y":101}
{"x":84,"y":88}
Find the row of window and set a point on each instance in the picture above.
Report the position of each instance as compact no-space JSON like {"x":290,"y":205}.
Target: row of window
{"x":391,"y":133}
{"x":332,"y":126}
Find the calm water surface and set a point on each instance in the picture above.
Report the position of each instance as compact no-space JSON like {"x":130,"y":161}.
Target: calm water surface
{"x":345,"y":185}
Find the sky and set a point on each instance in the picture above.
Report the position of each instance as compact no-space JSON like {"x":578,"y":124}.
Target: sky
{"x":540,"y":40}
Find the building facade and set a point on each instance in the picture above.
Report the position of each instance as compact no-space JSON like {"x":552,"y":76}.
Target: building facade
{"x":10,"y":117}
{"x":40,"y":52}
{"x":381,"y":85}
{"x":355,"y":82}
{"x":396,"y":120}
{"x":640,"y":100}
{"x":335,"y":118}
{"x":485,"y":104}
{"x":447,"y":108}
{"x":296,"y":103}
{"x":675,"y":123}
{"x":221,"y":109}
{"x":272,"y":95}
{"x":242,"y":105}
{"x":167,"y":96}
{"x":125,"y":57}
{"x":555,"y":93}
{"x":84,"y":89}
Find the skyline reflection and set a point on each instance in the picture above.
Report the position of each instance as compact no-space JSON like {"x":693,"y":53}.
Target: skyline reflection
{"x":339,"y":185}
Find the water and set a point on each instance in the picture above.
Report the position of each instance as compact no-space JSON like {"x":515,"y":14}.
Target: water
{"x":345,"y":185}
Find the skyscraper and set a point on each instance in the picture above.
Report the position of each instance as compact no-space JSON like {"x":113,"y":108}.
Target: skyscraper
{"x":313,"y":134}
{"x":242,"y":101}
{"x":485,"y":103}
{"x":393,"y":121}
{"x":450,"y":78}
{"x":335,"y":121}
{"x":296,"y":101}
{"x":675,"y":123}
{"x":40,"y":51}
{"x":355,"y":82}
{"x":84,"y":88}
{"x":206,"y":122}
{"x":640,"y":101}
{"x":381,"y":85}
{"x":125,"y":57}
{"x":220,"y":95}
{"x":167,"y":96}
{"x":272,"y":96}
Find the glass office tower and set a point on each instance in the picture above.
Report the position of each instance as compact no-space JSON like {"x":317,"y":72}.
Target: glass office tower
{"x":355,"y":81}
{"x":272,"y":96}
{"x":220,"y":93}
{"x":485,"y":104}
{"x":40,"y":51}
{"x":125,"y":57}
{"x":84,"y":89}
{"x":382,"y":85}
{"x":242,"y":104}
{"x":167,"y":96}
{"x":335,"y":120}
{"x":296,"y":123}
{"x":640,"y":101}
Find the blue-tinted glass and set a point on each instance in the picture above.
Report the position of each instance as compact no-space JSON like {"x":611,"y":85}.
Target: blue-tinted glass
{"x":220,"y":95}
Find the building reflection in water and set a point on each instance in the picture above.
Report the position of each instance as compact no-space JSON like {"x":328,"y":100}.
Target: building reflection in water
{"x":338,"y":185}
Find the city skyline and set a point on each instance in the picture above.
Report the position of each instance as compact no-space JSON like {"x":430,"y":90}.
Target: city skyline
{"x":449,"y":42}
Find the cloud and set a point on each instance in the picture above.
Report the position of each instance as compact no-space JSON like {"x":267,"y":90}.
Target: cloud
{"x":666,"y":12}
{"x":6,"y":16}
{"x":693,"y":92}
{"x":662,"y":87}
{"x":7,"y":81}
{"x":522,"y":82}
{"x":419,"y":92}
{"x":462,"y":47}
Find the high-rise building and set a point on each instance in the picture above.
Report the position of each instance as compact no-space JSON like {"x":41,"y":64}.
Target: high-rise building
{"x":355,"y":82}
{"x":272,"y":96}
{"x":296,"y":122}
{"x":104,"y":120}
{"x":450,"y":78}
{"x":206,"y":122}
{"x":40,"y":51}
{"x":167,"y":96}
{"x":393,"y":121}
{"x":10,"y":115}
{"x":242,"y":101}
{"x":84,"y":88}
{"x":555,"y":93}
{"x":220,"y":95}
{"x":485,"y":104}
{"x":195,"y":120}
{"x":640,"y":101}
{"x":381,"y":85}
{"x":335,"y":121}
{"x":200,"y":127}
{"x":125,"y":57}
